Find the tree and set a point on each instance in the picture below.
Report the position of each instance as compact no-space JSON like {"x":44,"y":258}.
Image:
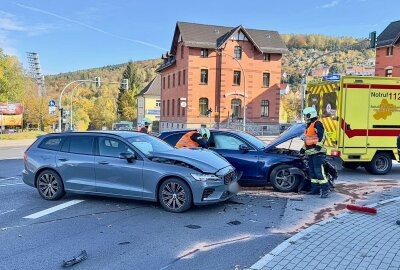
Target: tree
{"x":126,"y":101}
{"x":12,"y":80}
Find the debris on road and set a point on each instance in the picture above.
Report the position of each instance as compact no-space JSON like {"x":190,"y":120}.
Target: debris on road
{"x":81,"y":257}
{"x":193,"y":226}
{"x":363,"y":209}
{"x":124,"y":243}
{"x":234,"y":222}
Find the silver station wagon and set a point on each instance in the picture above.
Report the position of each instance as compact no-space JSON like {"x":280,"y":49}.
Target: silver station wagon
{"x":127,"y":165}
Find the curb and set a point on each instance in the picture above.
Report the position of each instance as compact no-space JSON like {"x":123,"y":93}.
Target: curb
{"x":281,"y":247}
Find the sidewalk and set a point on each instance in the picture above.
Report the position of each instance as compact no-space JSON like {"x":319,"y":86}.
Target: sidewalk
{"x":348,"y":241}
{"x":16,"y":143}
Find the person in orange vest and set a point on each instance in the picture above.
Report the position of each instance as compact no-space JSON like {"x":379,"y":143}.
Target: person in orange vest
{"x":194,"y":139}
{"x":314,"y":138}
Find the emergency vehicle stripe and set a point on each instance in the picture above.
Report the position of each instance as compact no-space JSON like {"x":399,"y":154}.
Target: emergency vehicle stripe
{"x":373,"y":86}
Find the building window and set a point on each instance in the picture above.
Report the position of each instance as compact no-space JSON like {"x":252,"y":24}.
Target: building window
{"x":168,"y":80}
{"x":163,"y":107}
{"x":168,"y":107}
{"x":158,"y":103}
{"x":264,"y":108}
{"x":179,"y":106}
{"x":204,"y":53}
{"x":173,"y":80}
{"x":141,"y":102}
{"x":267,"y":57}
{"x":182,"y":51}
{"x":173,"y":107}
{"x":179,"y":78}
{"x":266,"y":76}
{"x":183,"y":111}
{"x":389,"y":51}
{"x":238,"y":52}
{"x":236,"y":77}
{"x":389,"y":72}
{"x":236,"y":106}
{"x":163,"y":83}
{"x":204,"y":76}
{"x":184,"y":77}
{"x":203,"y":106}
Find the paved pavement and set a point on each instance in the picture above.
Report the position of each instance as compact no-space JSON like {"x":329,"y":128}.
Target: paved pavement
{"x":348,"y":241}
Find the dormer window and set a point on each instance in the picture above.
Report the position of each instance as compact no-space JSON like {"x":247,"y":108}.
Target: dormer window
{"x":267,"y":57}
{"x":238,"y":52}
{"x":204,"y":53}
{"x":389,"y":51}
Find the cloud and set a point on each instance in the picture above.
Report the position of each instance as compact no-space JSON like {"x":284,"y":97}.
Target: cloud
{"x":10,"y":23}
{"x":330,"y":5}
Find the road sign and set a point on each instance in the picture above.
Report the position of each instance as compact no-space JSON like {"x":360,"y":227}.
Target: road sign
{"x":52,"y":110}
{"x":334,"y":77}
{"x":52,"y":103}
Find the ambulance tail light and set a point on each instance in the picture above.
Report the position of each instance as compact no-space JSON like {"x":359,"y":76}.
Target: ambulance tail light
{"x":335,"y":153}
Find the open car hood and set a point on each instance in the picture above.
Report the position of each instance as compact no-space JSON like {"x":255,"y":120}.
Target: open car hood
{"x":294,"y":131}
{"x":205,"y":160}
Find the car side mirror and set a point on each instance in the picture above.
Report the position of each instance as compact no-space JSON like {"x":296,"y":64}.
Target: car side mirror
{"x":244,"y":148}
{"x":128,"y":156}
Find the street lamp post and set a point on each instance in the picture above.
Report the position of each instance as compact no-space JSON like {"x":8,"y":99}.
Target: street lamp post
{"x":60,"y":99}
{"x":244,"y":88}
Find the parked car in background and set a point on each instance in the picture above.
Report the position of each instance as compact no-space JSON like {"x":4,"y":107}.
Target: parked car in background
{"x":128,"y":165}
{"x":123,"y":125}
{"x":260,"y":163}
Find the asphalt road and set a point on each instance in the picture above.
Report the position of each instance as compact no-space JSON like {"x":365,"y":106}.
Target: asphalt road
{"x":128,"y":234}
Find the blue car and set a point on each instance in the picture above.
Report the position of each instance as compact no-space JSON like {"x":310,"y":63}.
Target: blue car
{"x":261,"y":164}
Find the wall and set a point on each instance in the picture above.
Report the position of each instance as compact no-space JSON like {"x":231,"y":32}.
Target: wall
{"x":383,"y":61}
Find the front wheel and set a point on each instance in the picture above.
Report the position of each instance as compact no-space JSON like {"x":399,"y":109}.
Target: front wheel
{"x":380,"y":164}
{"x":283,"y":180}
{"x":50,"y":185}
{"x":175,"y":195}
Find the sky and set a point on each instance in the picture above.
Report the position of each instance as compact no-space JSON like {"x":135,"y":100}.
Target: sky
{"x":72,"y":35}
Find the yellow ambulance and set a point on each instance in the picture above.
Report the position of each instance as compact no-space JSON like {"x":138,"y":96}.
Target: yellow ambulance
{"x":361,"y":116}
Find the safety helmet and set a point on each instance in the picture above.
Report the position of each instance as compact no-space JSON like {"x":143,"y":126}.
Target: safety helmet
{"x":205,"y":133}
{"x":310,"y":113}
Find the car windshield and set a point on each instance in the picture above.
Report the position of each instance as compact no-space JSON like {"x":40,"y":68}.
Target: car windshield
{"x":253,"y":140}
{"x":146,"y":144}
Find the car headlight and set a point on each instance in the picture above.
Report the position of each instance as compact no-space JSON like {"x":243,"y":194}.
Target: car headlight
{"x":205,"y":177}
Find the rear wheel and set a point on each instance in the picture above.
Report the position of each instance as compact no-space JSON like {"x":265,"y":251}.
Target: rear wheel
{"x":175,"y":195}
{"x":380,"y":164}
{"x":351,"y":165}
{"x":283,"y":180}
{"x":50,"y":185}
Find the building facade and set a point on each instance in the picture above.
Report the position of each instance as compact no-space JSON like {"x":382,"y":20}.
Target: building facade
{"x":211,"y":70}
{"x":149,"y":103}
{"x":387,"y":61}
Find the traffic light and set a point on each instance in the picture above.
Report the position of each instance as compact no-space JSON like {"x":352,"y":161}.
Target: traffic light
{"x":125,"y":84}
{"x":97,"y":82}
{"x":372,"y":40}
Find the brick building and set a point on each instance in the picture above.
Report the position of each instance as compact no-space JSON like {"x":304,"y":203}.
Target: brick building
{"x":388,"y":51}
{"x":210,"y":68}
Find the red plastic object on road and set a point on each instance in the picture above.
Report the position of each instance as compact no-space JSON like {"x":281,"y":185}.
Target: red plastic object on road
{"x":363,"y":209}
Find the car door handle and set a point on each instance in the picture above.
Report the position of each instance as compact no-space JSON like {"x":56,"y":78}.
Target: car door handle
{"x":63,"y":159}
{"x":103,"y":162}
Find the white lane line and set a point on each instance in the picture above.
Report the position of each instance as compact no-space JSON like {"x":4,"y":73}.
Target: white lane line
{"x":7,"y":185}
{"x":53,"y":209}
{"x":9,"y":178}
{"x":7,"y":212}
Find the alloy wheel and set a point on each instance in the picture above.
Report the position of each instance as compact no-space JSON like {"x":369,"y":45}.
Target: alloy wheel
{"x":173,"y":195}
{"x":285,"y":179}
{"x":48,"y":185}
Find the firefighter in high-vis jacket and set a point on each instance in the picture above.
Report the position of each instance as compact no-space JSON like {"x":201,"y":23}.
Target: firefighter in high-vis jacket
{"x":314,"y":139}
{"x":194,"y":139}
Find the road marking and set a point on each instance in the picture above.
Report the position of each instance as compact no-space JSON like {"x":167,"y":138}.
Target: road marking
{"x":7,"y":185}
{"x":53,"y":209}
{"x":7,"y":212}
{"x":9,"y":178}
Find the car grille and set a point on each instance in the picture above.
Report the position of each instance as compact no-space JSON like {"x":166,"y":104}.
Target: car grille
{"x":229,"y":177}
